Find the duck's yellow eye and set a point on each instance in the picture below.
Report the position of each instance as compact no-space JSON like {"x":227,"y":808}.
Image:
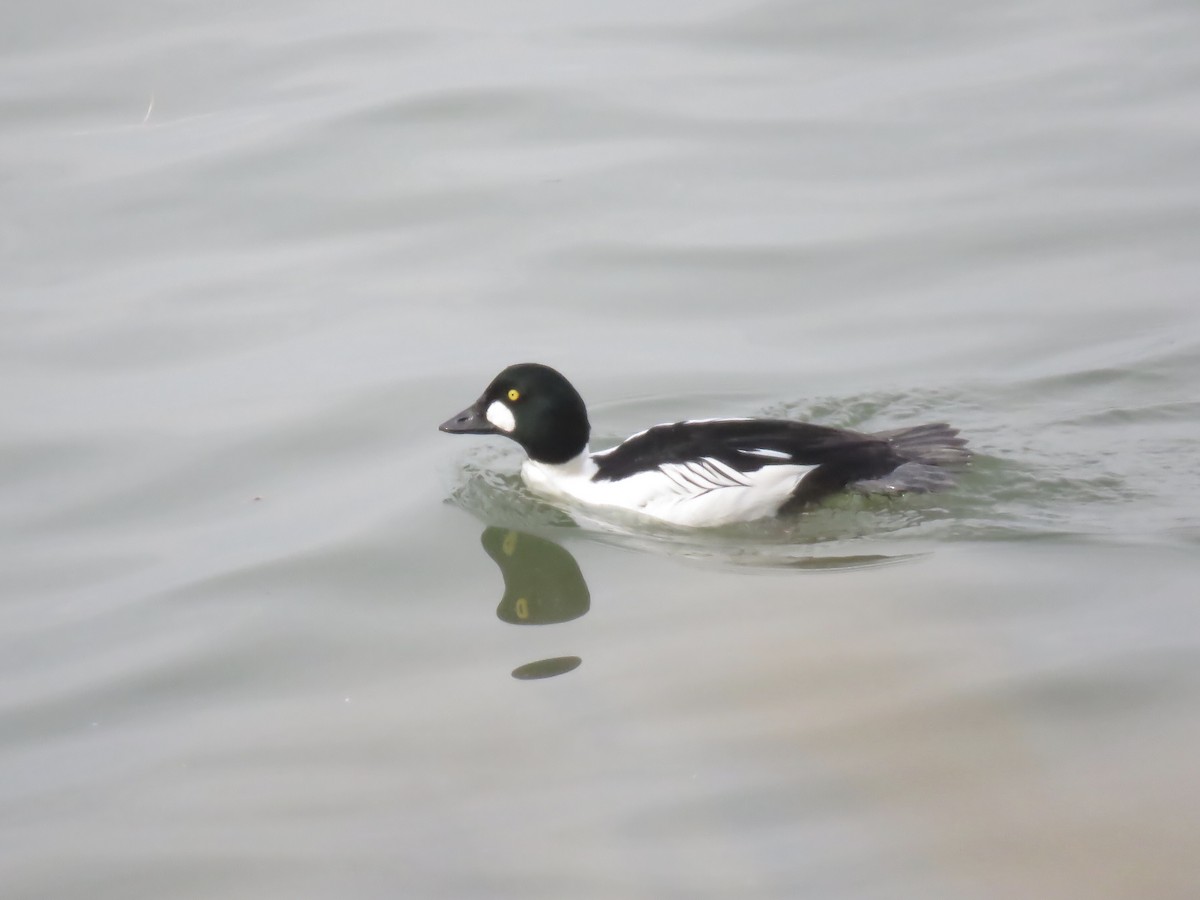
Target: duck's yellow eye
{"x":514,"y":394}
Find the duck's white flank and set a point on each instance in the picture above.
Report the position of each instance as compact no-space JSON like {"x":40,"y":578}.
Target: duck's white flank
{"x":699,"y":492}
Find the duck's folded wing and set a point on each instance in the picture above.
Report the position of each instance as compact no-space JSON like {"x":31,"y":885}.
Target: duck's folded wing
{"x":746,"y":445}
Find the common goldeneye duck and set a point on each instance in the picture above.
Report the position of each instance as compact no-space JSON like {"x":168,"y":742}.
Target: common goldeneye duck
{"x":705,"y":472}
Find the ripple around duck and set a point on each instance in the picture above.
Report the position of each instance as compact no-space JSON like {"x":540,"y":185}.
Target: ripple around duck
{"x":1050,"y":462}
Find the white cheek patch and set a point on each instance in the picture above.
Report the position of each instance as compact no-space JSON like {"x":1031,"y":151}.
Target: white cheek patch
{"x":501,"y":416}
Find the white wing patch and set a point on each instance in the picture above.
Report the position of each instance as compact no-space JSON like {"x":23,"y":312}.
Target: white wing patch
{"x":708,"y":492}
{"x":767,"y":454}
{"x":697,"y":477}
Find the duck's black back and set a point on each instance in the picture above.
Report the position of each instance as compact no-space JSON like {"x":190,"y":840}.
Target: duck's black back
{"x":740,"y":444}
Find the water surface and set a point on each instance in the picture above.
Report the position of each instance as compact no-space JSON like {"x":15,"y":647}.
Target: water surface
{"x":259,"y":628}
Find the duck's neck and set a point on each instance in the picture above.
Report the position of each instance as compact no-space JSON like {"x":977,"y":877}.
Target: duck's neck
{"x":579,"y":466}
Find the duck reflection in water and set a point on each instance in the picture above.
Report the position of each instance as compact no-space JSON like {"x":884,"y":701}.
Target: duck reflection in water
{"x":542,"y":586}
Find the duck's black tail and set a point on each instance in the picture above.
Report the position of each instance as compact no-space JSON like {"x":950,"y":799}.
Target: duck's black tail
{"x":931,"y":455}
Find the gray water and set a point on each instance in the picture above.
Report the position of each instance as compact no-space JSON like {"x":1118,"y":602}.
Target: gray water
{"x":260,"y":622}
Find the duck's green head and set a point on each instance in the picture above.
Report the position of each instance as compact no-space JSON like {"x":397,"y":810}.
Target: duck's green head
{"x":535,"y":406}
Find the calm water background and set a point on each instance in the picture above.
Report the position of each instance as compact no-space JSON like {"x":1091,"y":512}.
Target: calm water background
{"x":252,"y":254}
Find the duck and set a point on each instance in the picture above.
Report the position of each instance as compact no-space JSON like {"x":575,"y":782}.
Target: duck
{"x":702,"y":472}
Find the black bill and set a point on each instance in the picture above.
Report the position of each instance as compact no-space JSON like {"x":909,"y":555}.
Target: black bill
{"x":470,"y":421}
